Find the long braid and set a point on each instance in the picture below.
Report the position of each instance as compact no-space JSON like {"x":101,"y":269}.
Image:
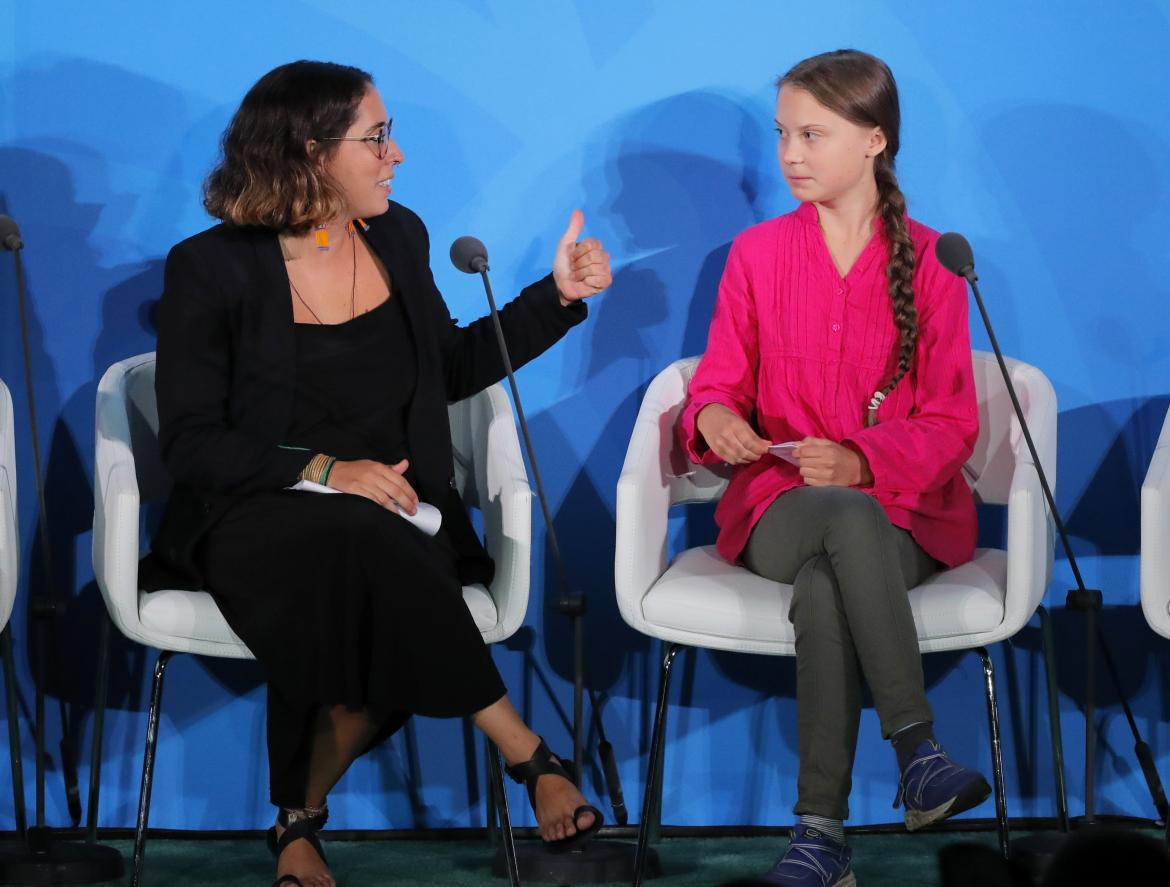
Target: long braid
{"x":900,"y":273}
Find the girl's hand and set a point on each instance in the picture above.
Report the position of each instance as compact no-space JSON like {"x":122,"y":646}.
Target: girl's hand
{"x":824,"y":463}
{"x":729,"y":436}
{"x":382,"y":483}
{"x":580,"y":269}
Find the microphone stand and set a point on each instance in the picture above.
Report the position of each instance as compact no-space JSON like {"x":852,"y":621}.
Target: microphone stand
{"x":37,"y":858}
{"x":1038,"y":849}
{"x":596,"y":861}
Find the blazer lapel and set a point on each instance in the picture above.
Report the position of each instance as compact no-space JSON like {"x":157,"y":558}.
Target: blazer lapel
{"x":276,"y":360}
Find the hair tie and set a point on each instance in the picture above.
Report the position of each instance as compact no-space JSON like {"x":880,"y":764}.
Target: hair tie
{"x":871,"y":412}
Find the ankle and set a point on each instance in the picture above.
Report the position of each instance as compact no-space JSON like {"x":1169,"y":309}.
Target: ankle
{"x":286,"y":816}
{"x":907,"y":739}
{"x":827,"y":825}
{"x":520,"y":748}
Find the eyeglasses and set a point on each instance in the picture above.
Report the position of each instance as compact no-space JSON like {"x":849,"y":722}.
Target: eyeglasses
{"x":379,"y":144}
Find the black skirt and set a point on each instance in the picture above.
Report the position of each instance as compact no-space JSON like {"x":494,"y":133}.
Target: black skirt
{"x":342,"y":601}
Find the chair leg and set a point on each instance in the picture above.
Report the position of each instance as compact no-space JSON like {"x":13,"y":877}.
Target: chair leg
{"x":653,"y":797}
{"x":152,"y":717}
{"x":99,"y":723}
{"x":1001,"y":816}
{"x":490,"y":817}
{"x":13,"y":732}
{"x":496,"y":778}
{"x":1049,"y":649}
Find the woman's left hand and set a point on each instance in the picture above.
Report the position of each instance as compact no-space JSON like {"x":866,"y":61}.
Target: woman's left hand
{"x":824,"y":463}
{"x":580,"y":269}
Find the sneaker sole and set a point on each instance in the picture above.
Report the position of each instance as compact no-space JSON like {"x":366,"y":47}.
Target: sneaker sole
{"x":972,"y":796}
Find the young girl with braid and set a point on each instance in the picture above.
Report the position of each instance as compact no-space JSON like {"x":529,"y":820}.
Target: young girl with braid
{"x":836,"y":327}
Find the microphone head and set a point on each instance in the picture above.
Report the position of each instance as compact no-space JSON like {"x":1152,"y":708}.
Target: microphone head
{"x":954,"y":254}
{"x":469,"y":255}
{"x":10,"y":234}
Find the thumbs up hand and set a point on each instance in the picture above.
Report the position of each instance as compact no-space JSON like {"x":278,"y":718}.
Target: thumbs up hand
{"x":580,"y":269}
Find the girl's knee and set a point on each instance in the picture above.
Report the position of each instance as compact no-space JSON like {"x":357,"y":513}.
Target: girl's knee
{"x":853,"y":512}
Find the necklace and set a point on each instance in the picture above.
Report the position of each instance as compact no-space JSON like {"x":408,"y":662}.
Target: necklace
{"x":352,"y":287}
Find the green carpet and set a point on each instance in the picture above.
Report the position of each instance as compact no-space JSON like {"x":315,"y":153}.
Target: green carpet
{"x":879,"y":861}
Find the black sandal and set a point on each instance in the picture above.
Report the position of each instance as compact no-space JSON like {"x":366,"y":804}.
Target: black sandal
{"x":305,"y":827}
{"x":540,"y":764}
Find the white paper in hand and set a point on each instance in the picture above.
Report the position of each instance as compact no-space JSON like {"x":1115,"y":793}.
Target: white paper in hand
{"x":786,"y":451}
{"x":427,"y":518}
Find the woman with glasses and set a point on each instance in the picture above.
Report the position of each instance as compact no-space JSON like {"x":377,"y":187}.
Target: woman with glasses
{"x":303,"y":341}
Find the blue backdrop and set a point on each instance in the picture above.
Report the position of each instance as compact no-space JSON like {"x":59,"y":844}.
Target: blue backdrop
{"x":1040,"y":132}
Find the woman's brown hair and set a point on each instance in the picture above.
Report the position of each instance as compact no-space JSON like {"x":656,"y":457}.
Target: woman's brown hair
{"x":861,"y":89}
{"x":267,"y":176}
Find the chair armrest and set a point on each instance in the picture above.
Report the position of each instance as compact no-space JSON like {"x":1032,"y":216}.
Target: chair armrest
{"x":116,"y":516}
{"x":9,"y":548}
{"x":505,"y":500}
{"x":1030,"y":540}
{"x":1155,"y":534}
{"x":1031,"y":530}
{"x":644,"y":499}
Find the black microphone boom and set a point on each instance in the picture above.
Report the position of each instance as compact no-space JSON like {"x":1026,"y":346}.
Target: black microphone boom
{"x":954,"y":253}
{"x":37,"y":857}
{"x":598,"y":860}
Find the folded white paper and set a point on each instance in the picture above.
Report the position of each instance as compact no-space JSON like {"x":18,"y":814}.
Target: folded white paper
{"x":427,"y":518}
{"x":786,"y":451}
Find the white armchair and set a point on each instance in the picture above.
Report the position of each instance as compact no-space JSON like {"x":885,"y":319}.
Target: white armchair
{"x":1155,"y":554}
{"x":128,"y":473}
{"x":699,"y":600}
{"x":9,"y":581}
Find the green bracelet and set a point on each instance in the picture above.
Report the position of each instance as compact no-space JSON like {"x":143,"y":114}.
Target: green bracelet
{"x":325,"y":474}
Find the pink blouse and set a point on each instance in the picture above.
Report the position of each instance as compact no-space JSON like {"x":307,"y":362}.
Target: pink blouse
{"x":798,"y":351}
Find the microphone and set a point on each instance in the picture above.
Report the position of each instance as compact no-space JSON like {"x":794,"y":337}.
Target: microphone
{"x":10,"y":234}
{"x":954,"y":254}
{"x":469,"y":255}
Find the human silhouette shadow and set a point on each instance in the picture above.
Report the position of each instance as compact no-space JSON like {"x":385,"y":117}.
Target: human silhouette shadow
{"x":675,"y":210}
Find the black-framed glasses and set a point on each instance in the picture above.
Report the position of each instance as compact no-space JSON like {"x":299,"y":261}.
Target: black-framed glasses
{"x":379,"y":144}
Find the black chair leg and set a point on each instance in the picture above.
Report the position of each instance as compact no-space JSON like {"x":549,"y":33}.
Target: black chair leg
{"x":496,"y":777}
{"x":490,"y":803}
{"x":1049,"y":649}
{"x":654,"y":780}
{"x":99,"y":724}
{"x":1001,"y":816}
{"x":13,"y":732}
{"x":152,"y":717}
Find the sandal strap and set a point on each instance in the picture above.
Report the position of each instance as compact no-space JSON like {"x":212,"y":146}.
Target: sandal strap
{"x":317,"y":818}
{"x":302,"y":829}
{"x":598,"y":819}
{"x":540,"y":764}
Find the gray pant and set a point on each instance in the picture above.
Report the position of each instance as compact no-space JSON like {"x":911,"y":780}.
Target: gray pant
{"x":850,"y":569}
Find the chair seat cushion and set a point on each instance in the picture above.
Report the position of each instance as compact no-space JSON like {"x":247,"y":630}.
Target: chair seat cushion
{"x":704,"y":596}
{"x":194,"y":616}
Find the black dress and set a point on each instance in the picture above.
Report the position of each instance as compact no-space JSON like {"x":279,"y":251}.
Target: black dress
{"x":343,"y":601}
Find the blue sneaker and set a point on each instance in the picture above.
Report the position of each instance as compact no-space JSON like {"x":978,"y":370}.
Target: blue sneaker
{"x":812,"y":859}
{"x":934,"y":787}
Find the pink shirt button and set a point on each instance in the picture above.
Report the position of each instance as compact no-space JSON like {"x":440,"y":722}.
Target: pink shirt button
{"x":836,"y":327}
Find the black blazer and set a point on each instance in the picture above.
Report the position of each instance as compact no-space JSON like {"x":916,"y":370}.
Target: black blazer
{"x":225,"y":371}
